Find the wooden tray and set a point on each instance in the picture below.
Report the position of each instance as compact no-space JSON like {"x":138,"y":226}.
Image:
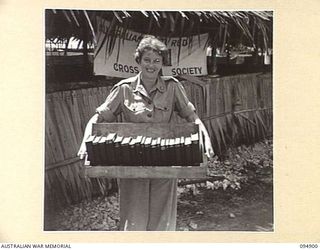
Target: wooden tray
{"x":165,"y":130}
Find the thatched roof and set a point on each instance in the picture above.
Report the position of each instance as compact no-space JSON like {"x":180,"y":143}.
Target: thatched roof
{"x":251,"y":28}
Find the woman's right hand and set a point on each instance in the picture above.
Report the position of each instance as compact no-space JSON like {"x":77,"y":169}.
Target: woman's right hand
{"x":82,"y":151}
{"x":87,"y":132}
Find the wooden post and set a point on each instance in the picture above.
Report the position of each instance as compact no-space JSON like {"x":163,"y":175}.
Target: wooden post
{"x":85,"y":46}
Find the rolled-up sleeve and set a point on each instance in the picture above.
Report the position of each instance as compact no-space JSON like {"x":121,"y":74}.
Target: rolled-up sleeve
{"x":182,"y":104}
{"x":112,"y":105}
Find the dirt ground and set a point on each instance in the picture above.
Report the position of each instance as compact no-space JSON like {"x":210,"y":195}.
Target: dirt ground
{"x":200,"y":207}
{"x":247,"y":209}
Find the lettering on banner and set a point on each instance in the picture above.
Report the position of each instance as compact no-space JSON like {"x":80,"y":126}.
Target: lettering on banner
{"x":184,"y":42}
{"x":186,"y":71}
{"x":182,"y":58}
{"x":127,"y":35}
{"x":125,"y":68}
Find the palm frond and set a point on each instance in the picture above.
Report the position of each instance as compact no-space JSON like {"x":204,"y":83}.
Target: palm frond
{"x":66,"y":16}
{"x":172,"y":22}
{"x":117,"y":16}
{"x":91,"y":27}
{"x":106,"y":35}
{"x":145,"y":13}
{"x":75,"y":18}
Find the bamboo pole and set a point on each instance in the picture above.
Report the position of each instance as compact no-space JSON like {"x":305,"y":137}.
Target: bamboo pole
{"x":69,"y":129}
{"x":53,"y":135}
{"x":79,"y":127}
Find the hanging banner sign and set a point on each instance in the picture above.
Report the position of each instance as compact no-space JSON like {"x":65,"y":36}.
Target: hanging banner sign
{"x":120,"y":62}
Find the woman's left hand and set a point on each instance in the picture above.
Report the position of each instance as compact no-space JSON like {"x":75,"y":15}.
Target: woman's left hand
{"x":207,"y":142}
{"x":208,"y":147}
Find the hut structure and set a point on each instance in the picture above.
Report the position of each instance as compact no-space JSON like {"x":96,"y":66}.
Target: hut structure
{"x":233,"y":34}
{"x":236,"y":108}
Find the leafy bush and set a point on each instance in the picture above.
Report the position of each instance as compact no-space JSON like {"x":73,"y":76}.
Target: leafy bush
{"x":238,"y":166}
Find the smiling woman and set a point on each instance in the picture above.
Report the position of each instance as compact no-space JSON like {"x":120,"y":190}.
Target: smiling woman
{"x":151,"y":64}
{"x":147,"y":204}
{"x":150,"y":56}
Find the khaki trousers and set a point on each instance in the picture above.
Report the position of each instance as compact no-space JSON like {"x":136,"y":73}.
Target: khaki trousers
{"x":148,"y":204}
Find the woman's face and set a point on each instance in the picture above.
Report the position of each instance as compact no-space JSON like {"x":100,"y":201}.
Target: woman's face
{"x":151,"y":63}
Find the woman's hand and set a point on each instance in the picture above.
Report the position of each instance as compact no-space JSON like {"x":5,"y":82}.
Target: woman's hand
{"x":82,"y":151}
{"x":207,"y":142}
{"x":208,"y":147}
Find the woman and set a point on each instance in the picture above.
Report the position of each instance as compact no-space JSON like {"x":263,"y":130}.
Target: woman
{"x":147,"y":204}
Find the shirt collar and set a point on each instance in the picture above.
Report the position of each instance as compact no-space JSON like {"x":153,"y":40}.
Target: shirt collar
{"x":160,"y":85}
{"x":138,"y":86}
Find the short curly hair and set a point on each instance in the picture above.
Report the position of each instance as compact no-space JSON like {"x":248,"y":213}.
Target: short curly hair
{"x":149,"y":42}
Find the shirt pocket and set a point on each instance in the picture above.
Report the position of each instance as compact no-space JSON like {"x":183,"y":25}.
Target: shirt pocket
{"x":162,"y":107}
{"x":135,"y":107}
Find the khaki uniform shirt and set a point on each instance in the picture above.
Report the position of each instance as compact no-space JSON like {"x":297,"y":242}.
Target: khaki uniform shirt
{"x":131,"y":98}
